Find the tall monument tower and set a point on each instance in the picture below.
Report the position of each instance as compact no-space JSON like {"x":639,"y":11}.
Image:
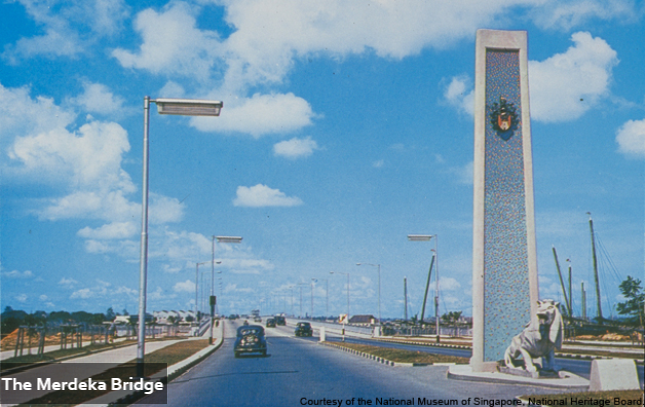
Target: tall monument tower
{"x":505,"y":286}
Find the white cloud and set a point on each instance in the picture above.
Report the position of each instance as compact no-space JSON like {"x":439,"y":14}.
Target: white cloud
{"x":17,"y":274}
{"x":261,"y":195}
{"x":566,"y":15}
{"x":448,"y":283}
{"x":268,"y":36}
{"x":97,"y":98}
{"x":259,"y":115}
{"x":23,"y":115}
{"x":378,"y":164}
{"x":631,"y":138}
{"x":114,"y":230}
{"x":90,"y":158}
{"x":178,"y":48}
{"x":67,"y":281}
{"x":565,"y":86}
{"x":69,"y":27}
{"x":21,"y":298}
{"x":186,"y":287}
{"x":295,"y":148}
{"x":83,"y":293}
{"x":459,"y":94}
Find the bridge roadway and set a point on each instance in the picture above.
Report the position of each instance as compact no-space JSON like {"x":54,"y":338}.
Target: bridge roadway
{"x":298,"y":370}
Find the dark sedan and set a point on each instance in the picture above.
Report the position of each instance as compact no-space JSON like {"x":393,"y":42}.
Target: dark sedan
{"x":250,"y":339}
{"x":304,"y":329}
{"x":270,"y":323}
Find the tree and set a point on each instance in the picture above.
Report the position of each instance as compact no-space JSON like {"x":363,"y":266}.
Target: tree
{"x":451,"y":317}
{"x":633,"y":293}
{"x":109,"y":314}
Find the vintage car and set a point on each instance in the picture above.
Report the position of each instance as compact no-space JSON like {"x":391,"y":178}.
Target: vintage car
{"x":304,"y":329}
{"x":250,"y":339}
{"x":270,"y":323}
{"x":280,"y":320}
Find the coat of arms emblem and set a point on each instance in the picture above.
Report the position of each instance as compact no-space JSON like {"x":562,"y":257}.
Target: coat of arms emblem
{"x":503,"y":117}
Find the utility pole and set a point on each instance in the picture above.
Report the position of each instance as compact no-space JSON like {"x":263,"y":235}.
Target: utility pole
{"x":405,"y":298}
{"x":595,"y":269}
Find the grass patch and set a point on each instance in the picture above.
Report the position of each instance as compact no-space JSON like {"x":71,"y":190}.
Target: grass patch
{"x":623,"y":396}
{"x":176,"y":352}
{"x":403,"y":356}
{"x":154,"y":362}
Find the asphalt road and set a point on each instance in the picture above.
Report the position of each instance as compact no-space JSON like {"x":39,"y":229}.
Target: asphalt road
{"x":299,"y":371}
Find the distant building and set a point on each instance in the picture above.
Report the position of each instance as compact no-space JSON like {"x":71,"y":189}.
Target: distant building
{"x":362,"y":320}
{"x":178,"y":316}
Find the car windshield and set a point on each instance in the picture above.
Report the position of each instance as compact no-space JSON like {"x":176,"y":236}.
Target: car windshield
{"x":303,"y":324}
{"x":250,"y":330}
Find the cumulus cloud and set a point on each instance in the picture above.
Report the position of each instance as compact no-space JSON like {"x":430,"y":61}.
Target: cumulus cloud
{"x":565,"y":86}
{"x":449,"y":283}
{"x":184,"y":287}
{"x":459,"y":94}
{"x":631,"y":138}
{"x":68,"y":27}
{"x":17,"y":274}
{"x":553,"y":14}
{"x":268,"y":36}
{"x":97,"y":98}
{"x":261,"y":195}
{"x":295,"y":148}
{"x":67,"y":281}
{"x":83,"y":293}
{"x":180,"y":48}
{"x":114,"y":230}
{"x":259,"y":115}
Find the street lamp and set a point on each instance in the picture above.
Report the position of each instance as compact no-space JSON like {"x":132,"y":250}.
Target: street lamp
{"x":184,"y":107}
{"x":196,"y":289}
{"x":427,"y":238}
{"x":220,"y":239}
{"x":379,"y":287}
{"x":347,"y":274}
{"x":313,"y":281}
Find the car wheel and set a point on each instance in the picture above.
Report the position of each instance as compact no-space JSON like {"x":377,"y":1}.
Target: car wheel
{"x":264,"y":352}
{"x":237,"y":354}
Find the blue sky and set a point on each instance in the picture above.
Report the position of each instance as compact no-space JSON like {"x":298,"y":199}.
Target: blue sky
{"x":346,"y":126}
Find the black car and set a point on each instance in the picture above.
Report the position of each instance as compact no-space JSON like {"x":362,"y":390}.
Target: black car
{"x":280,"y":320}
{"x":270,"y":323}
{"x":304,"y":329}
{"x":250,"y":339}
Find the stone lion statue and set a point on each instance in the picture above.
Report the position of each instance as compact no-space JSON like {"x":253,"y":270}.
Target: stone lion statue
{"x":539,"y":339}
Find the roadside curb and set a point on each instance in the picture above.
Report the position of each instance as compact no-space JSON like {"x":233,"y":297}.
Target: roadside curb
{"x":172,"y":372}
{"x":380,"y":359}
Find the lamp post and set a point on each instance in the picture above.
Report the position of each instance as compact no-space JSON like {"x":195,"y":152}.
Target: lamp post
{"x":427,"y":238}
{"x":347,"y":274}
{"x":300,"y":288}
{"x":212,"y":300}
{"x":313,"y":281}
{"x":379,"y":287}
{"x":183,"y":107}
{"x":196,"y":289}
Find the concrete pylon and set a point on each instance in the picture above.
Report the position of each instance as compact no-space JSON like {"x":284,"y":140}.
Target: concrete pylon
{"x":505,"y":286}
